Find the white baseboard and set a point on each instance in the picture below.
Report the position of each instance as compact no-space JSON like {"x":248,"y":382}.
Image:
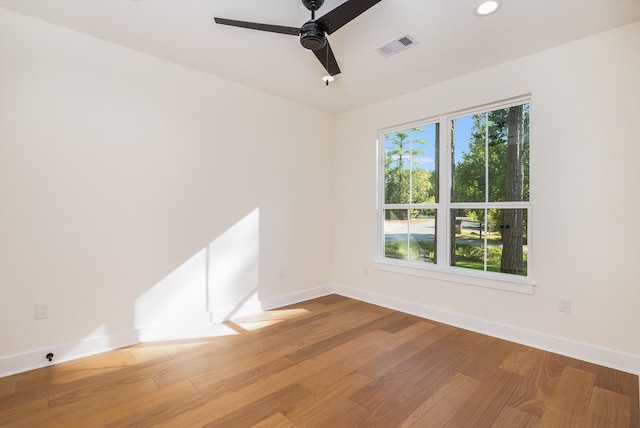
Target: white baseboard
{"x":301,"y":296}
{"x":230,"y":312}
{"x":570,"y":348}
{"x":36,"y":359}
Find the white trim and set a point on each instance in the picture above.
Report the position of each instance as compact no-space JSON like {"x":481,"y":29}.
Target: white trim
{"x":297,"y":297}
{"x":571,"y":348}
{"x":517,"y":284}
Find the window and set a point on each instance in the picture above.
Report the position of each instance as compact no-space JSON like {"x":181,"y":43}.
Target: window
{"x":458,"y":201}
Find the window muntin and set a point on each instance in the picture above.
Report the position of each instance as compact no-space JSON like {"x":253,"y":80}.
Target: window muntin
{"x":486,"y":177}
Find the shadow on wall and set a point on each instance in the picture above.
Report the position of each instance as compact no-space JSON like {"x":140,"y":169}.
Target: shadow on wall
{"x":218,"y":282}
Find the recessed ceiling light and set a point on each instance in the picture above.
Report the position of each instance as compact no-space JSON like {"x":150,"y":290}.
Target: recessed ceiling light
{"x":326,"y":79}
{"x":488,"y":7}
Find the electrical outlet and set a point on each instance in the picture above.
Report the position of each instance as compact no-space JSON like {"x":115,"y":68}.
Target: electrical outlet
{"x":564,"y":305}
{"x":42,"y":311}
{"x":282,"y":273}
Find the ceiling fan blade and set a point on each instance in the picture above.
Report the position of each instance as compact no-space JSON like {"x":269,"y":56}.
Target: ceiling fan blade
{"x":341,"y":15}
{"x":257,"y":26}
{"x":328,"y":60}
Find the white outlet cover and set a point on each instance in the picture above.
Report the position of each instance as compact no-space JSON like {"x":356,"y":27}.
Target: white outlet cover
{"x":42,"y":311}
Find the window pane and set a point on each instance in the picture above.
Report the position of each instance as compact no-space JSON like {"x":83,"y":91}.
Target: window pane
{"x":490,"y":156}
{"x":411,"y":165}
{"x":424,"y":171}
{"x":493,"y":240}
{"x":396,"y":234}
{"x":410,"y":235}
{"x":468,"y":238}
{"x":510,"y":230}
{"x":422,"y":242}
{"x":469,"y":158}
{"x":508,"y":160}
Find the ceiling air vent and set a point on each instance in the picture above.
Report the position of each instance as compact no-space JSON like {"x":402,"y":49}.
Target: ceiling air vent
{"x":397,"y":45}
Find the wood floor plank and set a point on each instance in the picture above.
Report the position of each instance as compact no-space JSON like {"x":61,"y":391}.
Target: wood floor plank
{"x":312,"y":411}
{"x":277,"y":420}
{"x":407,"y":334}
{"x":320,"y":381}
{"x":388,"y":360}
{"x":364,"y":324}
{"x":27,"y":409}
{"x":440,"y":408}
{"x":432,"y":336}
{"x":571,"y":399}
{"x":514,"y":418}
{"x":112,"y":416}
{"x":280,"y":401}
{"x":402,"y":322}
{"x":7,"y":388}
{"x":486,"y":403}
{"x":328,"y":362}
{"x":541,"y":373}
{"x":486,"y":356}
{"x":92,"y":410}
{"x":611,"y":407}
{"x":395,"y":393}
{"x":226,"y":382}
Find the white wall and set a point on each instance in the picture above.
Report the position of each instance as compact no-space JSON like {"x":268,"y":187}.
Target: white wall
{"x":118,"y":170}
{"x":585,"y":174}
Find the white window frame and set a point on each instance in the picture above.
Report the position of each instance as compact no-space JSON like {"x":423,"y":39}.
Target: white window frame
{"x":442,"y":270}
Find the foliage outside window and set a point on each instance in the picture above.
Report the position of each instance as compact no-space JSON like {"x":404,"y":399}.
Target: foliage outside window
{"x":459,"y":199}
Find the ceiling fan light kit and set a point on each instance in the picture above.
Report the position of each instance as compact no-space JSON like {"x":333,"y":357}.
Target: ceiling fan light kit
{"x":488,"y":7}
{"x":313,"y":33}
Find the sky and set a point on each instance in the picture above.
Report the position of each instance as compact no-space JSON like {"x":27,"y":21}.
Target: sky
{"x":427,"y":133}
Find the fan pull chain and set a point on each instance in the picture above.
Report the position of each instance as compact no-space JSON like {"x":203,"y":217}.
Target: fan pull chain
{"x":329,"y":73}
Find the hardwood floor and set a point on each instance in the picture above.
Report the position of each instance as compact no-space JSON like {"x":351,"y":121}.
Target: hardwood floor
{"x":328,"y":362}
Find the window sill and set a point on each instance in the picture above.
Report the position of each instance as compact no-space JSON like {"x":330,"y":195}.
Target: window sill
{"x":458,"y":275}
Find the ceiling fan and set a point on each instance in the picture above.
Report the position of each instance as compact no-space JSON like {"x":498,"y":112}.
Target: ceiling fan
{"x":313,"y":33}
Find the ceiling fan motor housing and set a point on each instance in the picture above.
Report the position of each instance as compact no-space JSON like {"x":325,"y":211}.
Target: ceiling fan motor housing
{"x":312,"y":37}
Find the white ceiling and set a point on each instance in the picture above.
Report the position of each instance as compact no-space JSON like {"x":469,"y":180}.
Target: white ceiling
{"x":453,"y":41}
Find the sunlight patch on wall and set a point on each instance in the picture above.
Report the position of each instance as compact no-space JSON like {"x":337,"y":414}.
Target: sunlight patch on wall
{"x":233,"y":263}
{"x":176,"y":302}
{"x":217,"y":282}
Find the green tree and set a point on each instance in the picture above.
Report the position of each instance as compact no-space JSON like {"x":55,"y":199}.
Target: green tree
{"x":404,"y":181}
{"x":512,"y":232}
